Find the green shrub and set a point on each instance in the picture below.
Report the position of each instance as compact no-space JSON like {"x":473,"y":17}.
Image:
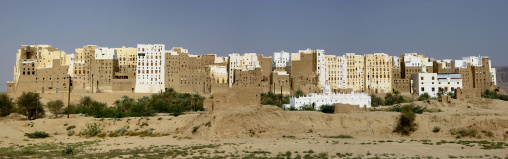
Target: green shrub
{"x":122,"y":130}
{"x":195,"y":129}
{"x":339,"y":136}
{"x":413,"y":108}
{"x":307,"y":108}
{"x":91,"y":130}
{"x":6,"y":105}
{"x":493,"y":95}
{"x":208,"y":124}
{"x":327,"y":108}
{"x":375,"y":101}
{"x":29,"y":104}
{"x":70,"y":127}
{"x":37,"y":134}
{"x":102,"y":135}
{"x":436,"y":129}
{"x":464,"y":132}
{"x":55,"y":106}
{"x":68,"y":150}
{"x":406,"y":124}
{"x":424,"y":96}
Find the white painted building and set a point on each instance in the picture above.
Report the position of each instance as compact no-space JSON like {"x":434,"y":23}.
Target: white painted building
{"x":150,"y":68}
{"x":104,"y":53}
{"x":474,"y":60}
{"x":396,"y":61}
{"x":281,"y":59}
{"x":327,"y":97}
{"x":249,"y":61}
{"x":431,"y":83}
{"x":71,"y":65}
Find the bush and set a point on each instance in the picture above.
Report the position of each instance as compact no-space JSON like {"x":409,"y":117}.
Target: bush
{"x":493,"y":95}
{"x":464,"y":132}
{"x":140,"y":110}
{"x":340,"y":137}
{"x":122,"y":130}
{"x":37,"y":134}
{"x":6,"y":105}
{"x":91,"y":130}
{"x":436,"y":129}
{"x":424,"y":96}
{"x":55,"y":106}
{"x":414,"y":109}
{"x":375,"y":101}
{"x":327,"y":109}
{"x":70,"y":127}
{"x":29,"y":104}
{"x":195,"y":129}
{"x":292,"y":108}
{"x":176,"y":111}
{"x":68,"y":150}
{"x":307,"y":108}
{"x":406,"y":124}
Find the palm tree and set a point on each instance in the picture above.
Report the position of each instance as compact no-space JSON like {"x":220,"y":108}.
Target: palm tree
{"x":196,"y":98}
{"x":87,"y":101}
{"x":397,"y":97}
{"x":299,"y":93}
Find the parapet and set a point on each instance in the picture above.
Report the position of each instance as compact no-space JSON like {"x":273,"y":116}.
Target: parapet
{"x":347,"y":108}
{"x":235,"y":96}
{"x":470,"y":93}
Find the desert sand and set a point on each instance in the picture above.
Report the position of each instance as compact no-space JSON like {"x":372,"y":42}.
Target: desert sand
{"x":267,"y":131}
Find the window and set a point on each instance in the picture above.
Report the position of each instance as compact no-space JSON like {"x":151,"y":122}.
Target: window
{"x":423,"y":89}
{"x":433,"y":89}
{"x":422,"y":78}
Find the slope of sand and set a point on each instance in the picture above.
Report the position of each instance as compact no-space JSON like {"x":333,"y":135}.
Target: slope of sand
{"x":270,"y":121}
{"x":264,"y":128}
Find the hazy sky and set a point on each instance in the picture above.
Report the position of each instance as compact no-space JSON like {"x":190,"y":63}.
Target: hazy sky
{"x":440,"y":29}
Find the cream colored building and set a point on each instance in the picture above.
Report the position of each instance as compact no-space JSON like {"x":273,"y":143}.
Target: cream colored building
{"x":378,"y":73}
{"x":31,"y":70}
{"x":336,"y":68}
{"x":355,"y":72}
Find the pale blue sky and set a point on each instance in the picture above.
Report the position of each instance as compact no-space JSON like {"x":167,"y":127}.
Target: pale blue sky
{"x":439,"y":29}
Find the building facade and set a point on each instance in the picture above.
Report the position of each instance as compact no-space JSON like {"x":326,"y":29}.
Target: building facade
{"x":328,"y":98}
{"x":432,"y":83}
{"x":150,"y":75}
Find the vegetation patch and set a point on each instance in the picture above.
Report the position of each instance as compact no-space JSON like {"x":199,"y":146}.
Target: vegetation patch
{"x":339,"y":137}
{"x":413,"y":108}
{"x":37,"y":134}
{"x":70,"y":127}
{"x":406,"y":124}
{"x":92,"y":129}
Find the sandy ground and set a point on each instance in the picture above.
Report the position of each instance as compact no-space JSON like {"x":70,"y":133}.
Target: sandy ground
{"x":241,"y":130}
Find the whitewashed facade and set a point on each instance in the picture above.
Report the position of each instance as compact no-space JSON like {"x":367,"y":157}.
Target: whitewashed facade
{"x":431,"y":83}
{"x":327,"y":97}
{"x":281,"y":59}
{"x":150,"y":68}
{"x":493,"y":72}
{"x":104,"y":53}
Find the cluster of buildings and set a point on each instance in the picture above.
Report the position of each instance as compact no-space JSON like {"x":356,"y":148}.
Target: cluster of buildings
{"x":150,"y":68}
